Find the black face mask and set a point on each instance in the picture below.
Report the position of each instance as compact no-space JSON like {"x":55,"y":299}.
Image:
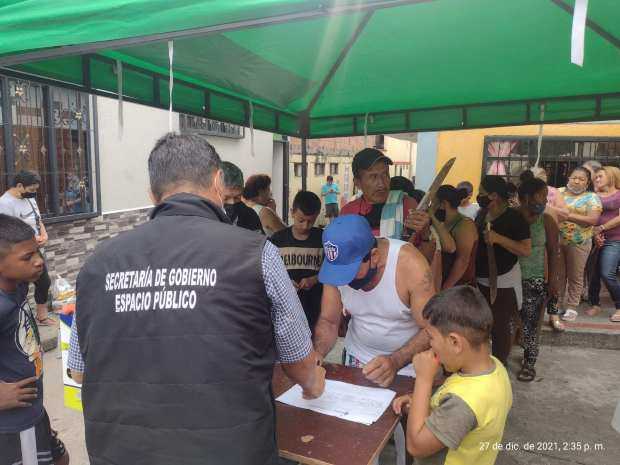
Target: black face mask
{"x":440,"y":214}
{"x":537,"y":208}
{"x":29,"y":195}
{"x":483,"y":200}
{"x":232,"y":211}
{"x":359,"y":283}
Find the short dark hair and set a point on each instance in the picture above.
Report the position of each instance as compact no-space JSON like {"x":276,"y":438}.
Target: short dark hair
{"x":182,"y":159}
{"x":526,"y":175}
{"x":13,"y":231}
{"x":255,"y":184}
{"x":307,"y":202}
{"x":401,"y":183}
{"x":233,"y":176}
{"x":529,"y":187}
{"x":462,"y":310}
{"x":26,"y":179}
{"x":451,"y":194}
{"x":496,"y":184}
{"x":330,"y":178}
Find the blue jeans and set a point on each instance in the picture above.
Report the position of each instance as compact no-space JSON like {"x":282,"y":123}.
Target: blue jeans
{"x":607,"y":270}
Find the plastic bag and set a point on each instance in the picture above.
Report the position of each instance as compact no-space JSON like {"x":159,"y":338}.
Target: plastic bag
{"x":63,"y":296}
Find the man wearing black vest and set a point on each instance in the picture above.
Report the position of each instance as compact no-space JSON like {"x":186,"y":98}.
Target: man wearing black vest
{"x":179,"y":323}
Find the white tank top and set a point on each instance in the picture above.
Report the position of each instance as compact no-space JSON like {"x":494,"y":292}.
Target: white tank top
{"x":258,"y":208}
{"x":380,"y":322}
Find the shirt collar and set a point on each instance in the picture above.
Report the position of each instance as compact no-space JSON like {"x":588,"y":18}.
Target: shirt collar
{"x":189,"y":205}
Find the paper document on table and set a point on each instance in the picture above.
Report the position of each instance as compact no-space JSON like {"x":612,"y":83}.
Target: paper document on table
{"x":343,"y":400}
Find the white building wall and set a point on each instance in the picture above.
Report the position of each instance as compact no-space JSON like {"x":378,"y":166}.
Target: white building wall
{"x":277,"y":178}
{"x":123,"y":160}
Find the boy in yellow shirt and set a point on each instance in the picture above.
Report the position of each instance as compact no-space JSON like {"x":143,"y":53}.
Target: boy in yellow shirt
{"x":463,"y":422}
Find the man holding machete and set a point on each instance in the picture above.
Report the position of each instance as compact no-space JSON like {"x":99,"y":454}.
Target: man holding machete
{"x":384,"y":209}
{"x":392,"y":213}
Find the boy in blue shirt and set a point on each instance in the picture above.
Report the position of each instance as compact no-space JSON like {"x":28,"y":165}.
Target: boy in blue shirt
{"x":25,"y":433}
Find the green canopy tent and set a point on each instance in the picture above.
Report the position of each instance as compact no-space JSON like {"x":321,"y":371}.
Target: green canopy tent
{"x":326,"y":68}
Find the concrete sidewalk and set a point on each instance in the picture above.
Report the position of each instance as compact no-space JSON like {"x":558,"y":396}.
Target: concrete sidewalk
{"x":567,"y":409}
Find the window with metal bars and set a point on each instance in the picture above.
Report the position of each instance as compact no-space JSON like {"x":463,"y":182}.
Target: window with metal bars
{"x":319,"y":169}
{"x":509,"y":156}
{"x":46,"y":130}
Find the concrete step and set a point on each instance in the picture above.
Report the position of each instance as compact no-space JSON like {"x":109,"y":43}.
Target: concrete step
{"x":596,"y":332}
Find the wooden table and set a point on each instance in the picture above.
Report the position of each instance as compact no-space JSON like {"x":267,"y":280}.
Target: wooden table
{"x":330,"y":440}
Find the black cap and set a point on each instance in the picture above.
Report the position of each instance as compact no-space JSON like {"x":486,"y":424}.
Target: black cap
{"x":364,"y":159}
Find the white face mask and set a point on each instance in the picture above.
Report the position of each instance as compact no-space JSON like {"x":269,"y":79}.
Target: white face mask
{"x":576,"y":190}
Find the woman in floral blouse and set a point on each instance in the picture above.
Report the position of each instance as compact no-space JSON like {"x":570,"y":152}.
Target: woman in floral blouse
{"x":584,"y":209}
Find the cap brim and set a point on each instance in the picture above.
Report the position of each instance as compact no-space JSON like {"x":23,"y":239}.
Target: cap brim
{"x":383,"y":158}
{"x":338,"y":275}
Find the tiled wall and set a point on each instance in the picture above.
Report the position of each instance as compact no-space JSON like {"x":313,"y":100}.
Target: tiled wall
{"x":71,"y":242}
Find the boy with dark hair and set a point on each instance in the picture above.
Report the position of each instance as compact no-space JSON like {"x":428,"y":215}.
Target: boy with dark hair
{"x":301,"y":248}
{"x":25,"y":433}
{"x":463,"y":422}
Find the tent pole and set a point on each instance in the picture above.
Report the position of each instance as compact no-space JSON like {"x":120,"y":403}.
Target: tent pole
{"x":304,"y":164}
{"x":285,"y":178}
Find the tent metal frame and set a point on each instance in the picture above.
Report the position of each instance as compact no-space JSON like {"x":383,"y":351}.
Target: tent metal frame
{"x":320,"y":12}
{"x":591,"y":24}
{"x":303,"y":119}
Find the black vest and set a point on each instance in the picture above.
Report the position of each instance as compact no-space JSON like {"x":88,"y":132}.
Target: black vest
{"x":175,"y":328}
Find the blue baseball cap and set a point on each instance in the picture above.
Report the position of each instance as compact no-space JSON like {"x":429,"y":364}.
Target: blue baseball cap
{"x":346,"y":241}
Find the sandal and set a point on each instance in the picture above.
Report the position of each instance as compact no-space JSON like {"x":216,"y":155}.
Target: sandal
{"x":47,"y":321}
{"x":526,"y":374}
{"x":570,"y":315}
{"x":615,"y":318}
{"x":556,"y":324}
{"x":594,"y":310}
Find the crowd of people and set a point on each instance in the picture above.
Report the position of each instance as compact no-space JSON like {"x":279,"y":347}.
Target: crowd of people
{"x":179,"y":322}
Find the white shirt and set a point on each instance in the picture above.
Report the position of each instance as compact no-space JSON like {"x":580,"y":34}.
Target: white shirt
{"x":380,"y":322}
{"x":24,"y":209}
{"x":470,"y":211}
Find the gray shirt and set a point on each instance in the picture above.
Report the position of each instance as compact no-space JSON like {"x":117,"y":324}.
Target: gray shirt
{"x":450,"y":423}
{"x":26,"y":210}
